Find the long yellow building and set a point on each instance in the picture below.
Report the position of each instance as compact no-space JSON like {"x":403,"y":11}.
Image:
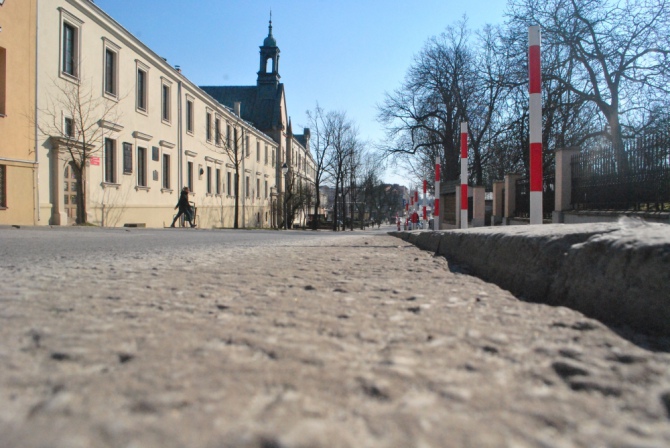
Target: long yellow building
{"x":146,"y":130}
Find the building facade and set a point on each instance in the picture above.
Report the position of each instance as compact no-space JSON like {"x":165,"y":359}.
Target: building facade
{"x":18,"y":158}
{"x":147,"y":132}
{"x":264,"y":105}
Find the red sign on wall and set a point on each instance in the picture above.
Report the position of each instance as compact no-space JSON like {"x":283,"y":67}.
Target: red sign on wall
{"x":95,"y":161}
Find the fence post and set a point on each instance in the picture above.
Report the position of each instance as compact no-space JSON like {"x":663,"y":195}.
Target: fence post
{"x":478,"y":206}
{"x":510,"y":197}
{"x":436,"y":202}
{"x":563,"y":186}
{"x":498,"y":188}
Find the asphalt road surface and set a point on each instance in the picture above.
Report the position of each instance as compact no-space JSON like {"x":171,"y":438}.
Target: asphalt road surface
{"x":198,"y":338}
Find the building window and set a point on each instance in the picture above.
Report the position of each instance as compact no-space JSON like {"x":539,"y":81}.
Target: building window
{"x":141,"y":167}
{"x":68,"y":127}
{"x":248,"y":149}
{"x":189,"y":116}
{"x":110,"y":161}
{"x":127,"y":158}
{"x":70,"y":50}
{"x":228,"y":137}
{"x":266,"y":154}
{"x":258,"y":151}
{"x":246,"y":186}
{"x":258,"y":188}
{"x":209,"y":180}
{"x":3,"y":186}
{"x":217,"y":130}
{"x":166,"y":171}
{"x":141,"y":90}
{"x":266,"y":189}
{"x":218,"y":181}
{"x":229,"y":184}
{"x":208,"y":126}
{"x":110,"y":72}
{"x":273,"y":157}
{"x":189,"y":176}
{"x":166,"y":103}
{"x":3,"y":80}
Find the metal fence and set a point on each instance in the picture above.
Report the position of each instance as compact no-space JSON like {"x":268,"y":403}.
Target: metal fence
{"x":637,"y":180}
{"x":522,"y":206}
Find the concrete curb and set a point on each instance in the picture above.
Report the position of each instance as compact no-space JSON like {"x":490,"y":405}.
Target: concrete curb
{"x":618,"y":273}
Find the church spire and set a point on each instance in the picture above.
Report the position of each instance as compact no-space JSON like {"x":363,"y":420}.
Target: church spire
{"x":269,"y":61}
{"x":270,"y":40}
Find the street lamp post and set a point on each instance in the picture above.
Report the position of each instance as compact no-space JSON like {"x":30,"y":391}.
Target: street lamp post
{"x":284,"y":169}
{"x":274,"y":205}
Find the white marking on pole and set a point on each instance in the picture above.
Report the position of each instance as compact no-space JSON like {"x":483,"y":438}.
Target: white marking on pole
{"x":536,"y":207}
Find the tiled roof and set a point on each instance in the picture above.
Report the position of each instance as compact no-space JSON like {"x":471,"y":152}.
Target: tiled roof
{"x":262,"y":112}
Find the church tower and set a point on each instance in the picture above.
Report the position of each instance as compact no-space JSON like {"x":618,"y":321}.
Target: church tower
{"x":269,"y":67}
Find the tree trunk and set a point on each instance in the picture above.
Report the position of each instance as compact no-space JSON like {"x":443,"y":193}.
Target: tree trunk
{"x":237,"y":197}
{"x":79,"y":174}
{"x":451,"y":168}
{"x":317,"y":203}
{"x":344,"y":206}
{"x":336,"y":206}
{"x":617,"y":143}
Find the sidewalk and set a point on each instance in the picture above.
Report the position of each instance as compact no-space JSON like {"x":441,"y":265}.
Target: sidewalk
{"x":357,"y":341}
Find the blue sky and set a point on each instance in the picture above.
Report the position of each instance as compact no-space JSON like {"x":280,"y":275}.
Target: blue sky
{"x":345,"y":54}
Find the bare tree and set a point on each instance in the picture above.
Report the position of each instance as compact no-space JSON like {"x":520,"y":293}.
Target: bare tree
{"x":423,"y":116}
{"x":232,"y":145}
{"x":343,"y":135}
{"x":370,"y":194}
{"x":79,"y":121}
{"x":300,"y":195}
{"x":320,"y":145}
{"x":567,"y":119}
{"x":622,"y":51}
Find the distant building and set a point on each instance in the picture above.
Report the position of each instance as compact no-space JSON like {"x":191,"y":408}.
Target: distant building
{"x":18,"y":158}
{"x":264,"y":105}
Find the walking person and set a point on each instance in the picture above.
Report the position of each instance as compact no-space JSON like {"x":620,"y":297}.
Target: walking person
{"x":415,"y":221}
{"x":184,"y":208}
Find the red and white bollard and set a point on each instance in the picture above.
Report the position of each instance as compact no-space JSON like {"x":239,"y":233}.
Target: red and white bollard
{"x":535,"y":124}
{"x":464,"y":175}
{"x":425,"y":188}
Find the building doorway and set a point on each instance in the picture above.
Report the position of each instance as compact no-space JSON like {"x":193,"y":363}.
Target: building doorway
{"x":70,"y":194}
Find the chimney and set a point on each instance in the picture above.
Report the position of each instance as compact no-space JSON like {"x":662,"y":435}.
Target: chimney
{"x":237,"y":108}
